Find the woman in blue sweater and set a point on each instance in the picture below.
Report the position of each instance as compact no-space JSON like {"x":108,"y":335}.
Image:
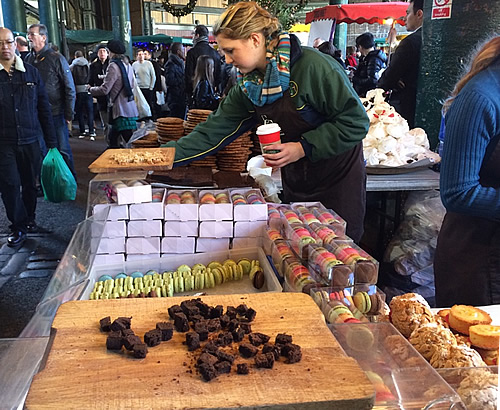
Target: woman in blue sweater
{"x":467,"y":261}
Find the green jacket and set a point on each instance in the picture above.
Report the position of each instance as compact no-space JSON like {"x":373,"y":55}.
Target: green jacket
{"x":318,"y":85}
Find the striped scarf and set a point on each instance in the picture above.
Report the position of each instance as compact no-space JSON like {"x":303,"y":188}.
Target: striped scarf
{"x":267,"y":88}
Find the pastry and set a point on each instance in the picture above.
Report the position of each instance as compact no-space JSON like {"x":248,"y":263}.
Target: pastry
{"x":479,"y":390}
{"x":461,"y":317}
{"x":485,"y":336}
{"x":456,"y":356}
{"x":490,"y":357}
{"x":410,"y":311}
{"x":429,"y":337}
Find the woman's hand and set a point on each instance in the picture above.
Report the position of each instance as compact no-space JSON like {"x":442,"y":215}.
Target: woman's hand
{"x":289,"y":152}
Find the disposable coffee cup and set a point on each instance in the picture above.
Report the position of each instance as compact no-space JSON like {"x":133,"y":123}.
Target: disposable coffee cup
{"x":269,"y":134}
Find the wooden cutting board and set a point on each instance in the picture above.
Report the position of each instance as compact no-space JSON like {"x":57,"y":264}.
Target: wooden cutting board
{"x":106,"y":163}
{"x":81,"y":373}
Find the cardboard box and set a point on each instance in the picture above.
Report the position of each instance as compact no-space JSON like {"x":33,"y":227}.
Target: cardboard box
{"x":178,"y":245}
{"x":181,"y":212}
{"x":143,"y":245}
{"x":239,"y":243}
{"x":180,"y":228}
{"x":107,"y":245}
{"x":212,"y":244}
{"x":144,"y":228}
{"x":108,"y":259}
{"x":215,"y":212}
{"x":216,"y":229}
{"x":116,"y":212}
{"x":245,"y":229}
{"x":148,"y":211}
{"x":249,"y":212}
{"x":142,"y":257}
{"x":111,"y":229}
{"x":133,"y":194}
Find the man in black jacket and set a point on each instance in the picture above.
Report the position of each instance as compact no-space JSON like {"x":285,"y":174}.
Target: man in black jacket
{"x":55,"y":72}
{"x":25,"y":117}
{"x":98,"y":70}
{"x":371,"y":63}
{"x":201,"y":47}
{"x":402,"y":74}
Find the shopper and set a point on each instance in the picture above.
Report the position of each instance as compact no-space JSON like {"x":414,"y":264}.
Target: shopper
{"x":174,"y":78}
{"x":351,"y":60}
{"x":22,"y":46}
{"x":372,"y":62}
{"x":118,"y":85}
{"x":321,"y":117}
{"x":98,"y":70}
{"x":328,"y":48}
{"x":204,"y":95}
{"x":25,"y":116}
{"x":146,"y":78}
{"x":84,"y":107}
{"x":148,"y":56}
{"x":467,"y":260}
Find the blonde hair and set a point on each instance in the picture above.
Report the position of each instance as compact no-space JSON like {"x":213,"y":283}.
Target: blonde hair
{"x":242,"y":19}
{"x":484,"y":56}
{"x":204,"y":70}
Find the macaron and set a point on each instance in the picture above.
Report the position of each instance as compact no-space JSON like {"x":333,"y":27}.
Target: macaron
{"x":376,"y":304}
{"x":334,"y":313}
{"x":104,"y":278}
{"x":136,"y":274}
{"x":362,"y":301}
{"x":207,"y":198}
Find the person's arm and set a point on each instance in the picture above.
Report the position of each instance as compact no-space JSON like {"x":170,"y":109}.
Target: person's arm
{"x":44,"y":113}
{"x":112,"y":75}
{"x":373,"y":66}
{"x":69,"y":88}
{"x":152,"y":76}
{"x":402,"y":61}
{"x":471,"y":123}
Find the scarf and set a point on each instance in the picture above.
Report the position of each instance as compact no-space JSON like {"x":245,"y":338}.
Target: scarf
{"x":126,"y":83}
{"x":200,"y":39}
{"x":267,"y":88}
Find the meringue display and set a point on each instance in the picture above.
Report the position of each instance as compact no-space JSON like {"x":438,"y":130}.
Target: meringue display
{"x":389,"y":141}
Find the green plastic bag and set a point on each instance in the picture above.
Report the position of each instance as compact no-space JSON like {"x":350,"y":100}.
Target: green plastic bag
{"x":58,"y":182}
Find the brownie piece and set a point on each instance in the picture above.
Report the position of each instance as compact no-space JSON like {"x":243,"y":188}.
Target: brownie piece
{"x":233,"y":325}
{"x":211,"y":347}
{"x":172,"y":310}
{"x":140,"y":351}
{"x":250,"y":314}
{"x":213,"y":325}
{"x":247,"y":350}
{"x":231,"y":312}
{"x":130,"y":341}
{"x":204,"y":308}
{"x":247,"y":327}
{"x":121,"y":323}
{"x":207,"y":358}
{"x":283,"y":339}
{"x":216,"y":311}
{"x":181,"y":322}
{"x":274,"y":349}
{"x":242,"y":309}
{"x":258,"y":339}
{"x":202,"y":330}
{"x":264,"y":360}
{"x":105,"y":324}
{"x":225,"y":357}
{"x":242,"y":368}
{"x":114,"y":342}
{"x":207,"y":371}
{"x":192,"y":341}
{"x":190,"y":310}
{"x":127,"y":332}
{"x":225,"y":338}
{"x":196,"y":318}
{"x":153,"y":337}
{"x":223,"y":367}
{"x":292,"y":353}
{"x":238,"y":335}
{"x":224,"y":321}
{"x":166,"y":329}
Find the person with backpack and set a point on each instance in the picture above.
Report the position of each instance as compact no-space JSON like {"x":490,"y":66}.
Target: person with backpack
{"x":204,"y":95}
{"x":118,"y":85}
{"x":370,"y":65}
{"x":84,"y":107}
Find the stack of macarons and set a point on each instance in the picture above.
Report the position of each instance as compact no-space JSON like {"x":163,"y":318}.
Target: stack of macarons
{"x":222,"y":198}
{"x":253,"y":198}
{"x":368,"y":303}
{"x":274,"y":234}
{"x":322,"y":260}
{"x":325,"y":216}
{"x":348,"y":254}
{"x":207,"y":198}
{"x":238,"y":199}
{"x":300,"y":237}
{"x":307,"y":215}
{"x":326,"y":234}
{"x":298,"y":276}
{"x":272,"y":212}
{"x":290,"y":215}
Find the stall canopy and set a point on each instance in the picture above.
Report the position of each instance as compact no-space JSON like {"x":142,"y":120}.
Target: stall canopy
{"x":360,"y":13}
{"x":98,"y":36}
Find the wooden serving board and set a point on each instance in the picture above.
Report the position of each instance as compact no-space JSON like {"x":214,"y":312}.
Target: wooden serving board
{"x":81,"y":373}
{"x":105,"y":164}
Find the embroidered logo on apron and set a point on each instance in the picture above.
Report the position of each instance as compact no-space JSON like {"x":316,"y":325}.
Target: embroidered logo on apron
{"x":294,"y":88}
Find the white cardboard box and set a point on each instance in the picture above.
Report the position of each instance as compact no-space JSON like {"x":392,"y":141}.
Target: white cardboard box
{"x":108,"y":245}
{"x":150,"y":210}
{"x":212,"y":244}
{"x":134,"y":194}
{"x":111,"y":229}
{"x":181,"y":212}
{"x":105,"y":259}
{"x":180,"y":228}
{"x":239,"y":243}
{"x":248,"y":212}
{"x":116,"y":212}
{"x":216,"y":212}
{"x":178,"y":245}
{"x":216,"y":229}
{"x":143,"y":245}
{"x":144,"y":228}
{"x":140,"y":257}
{"x":245,"y":229}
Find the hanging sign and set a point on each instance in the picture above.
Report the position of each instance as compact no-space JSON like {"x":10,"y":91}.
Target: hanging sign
{"x":441,"y":9}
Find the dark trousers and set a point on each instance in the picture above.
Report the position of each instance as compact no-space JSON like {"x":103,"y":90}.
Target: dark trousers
{"x":18,"y":172}
{"x":150,"y":96}
{"x":114,"y":137}
{"x":84,"y":109}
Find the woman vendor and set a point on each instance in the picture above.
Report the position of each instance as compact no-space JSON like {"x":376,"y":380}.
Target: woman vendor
{"x":308,"y":94}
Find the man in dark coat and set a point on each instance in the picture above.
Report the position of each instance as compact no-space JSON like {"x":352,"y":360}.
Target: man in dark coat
{"x":174,"y":78}
{"x":402,"y":74}
{"x":98,"y":70}
{"x":201,"y":47}
{"x":371,"y":63}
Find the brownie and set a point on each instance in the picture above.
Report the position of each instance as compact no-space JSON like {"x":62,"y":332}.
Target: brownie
{"x":196,"y":318}
{"x":274,"y":349}
{"x":192,"y":341}
{"x":258,"y":339}
{"x":247,"y":327}
{"x":231,"y":312}
{"x":207,"y":358}
{"x":105,"y":324}
{"x":153,"y":337}
{"x":223,"y":367}
{"x":207,"y":371}
{"x":181,"y":322}
{"x":233,"y":325}
{"x":242,"y":309}
{"x":211,"y":347}
{"x":225,"y":338}
{"x":121,"y":323}
{"x":140,"y":351}
{"x":225,"y":357}
{"x":172,"y":310}
{"x":247,"y":350}
{"x":216,"y":311}
{"x":213,"y":325}
{"x":242,"y":368}
{"x":250,"y":314}
{"x":114,"y":342}
{"x":202,"y":329}
{"x":204,"y":308}
{"x":283,"y":339}
{"x":264,"y":360}
{"x":238,"y":335}
{"x":130,"y":341}
{"x":224,"y":321}
{"x":292,"y":353}
{"x":127,"y":332}
{"x":166,"y":329}
{"x":190,"y":310}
